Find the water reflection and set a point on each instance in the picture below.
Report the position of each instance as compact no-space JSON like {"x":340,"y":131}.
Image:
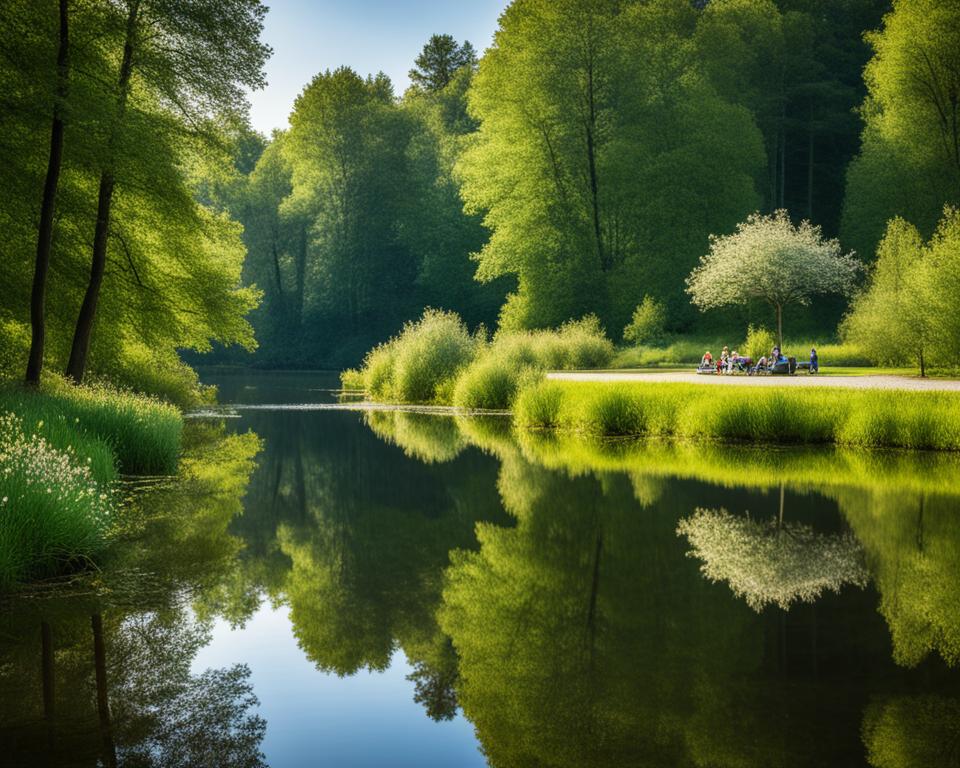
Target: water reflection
{"x":97,"y":671}
{"x":580,"y":602}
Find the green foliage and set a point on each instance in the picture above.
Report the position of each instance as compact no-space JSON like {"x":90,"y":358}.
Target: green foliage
{"x":428,"y":355}
{"x":590,"y":156}
{"x":439,"y":61}
{"x":907,"y":313}
{"x":421,"y":363}
{"x":435,"y":360}
{"x":759,"y":343}
{"x":872,"y":419}
{"x":911,"y":731}
{"x":490,"y":383}
{"x":648,"y":324}
{"x":172,"y":277}
{"x":909,"y":165}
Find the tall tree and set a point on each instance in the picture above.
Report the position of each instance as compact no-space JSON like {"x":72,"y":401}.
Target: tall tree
{"x":768,"y":258}
{"x":175,"y":52}
{"x":439,"y":61}
{"x":589,"y":163}
{"x":910,"y":162}
{"x":346,"y":147}
{"x":49,"y":203}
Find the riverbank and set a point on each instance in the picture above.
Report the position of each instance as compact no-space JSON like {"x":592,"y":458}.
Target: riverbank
{"x":869,"y":418}
{"x":62,"y":452}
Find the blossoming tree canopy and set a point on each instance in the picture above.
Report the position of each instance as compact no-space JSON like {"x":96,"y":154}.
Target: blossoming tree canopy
{"x":769,"y":258}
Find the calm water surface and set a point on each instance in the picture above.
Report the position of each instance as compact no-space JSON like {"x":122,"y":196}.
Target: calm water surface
{"x":328,"y":587}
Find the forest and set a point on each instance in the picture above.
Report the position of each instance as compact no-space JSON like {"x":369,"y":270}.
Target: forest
{"x":579,"y":165}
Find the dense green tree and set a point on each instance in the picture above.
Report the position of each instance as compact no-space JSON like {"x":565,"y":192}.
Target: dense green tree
{"x":893,"y":319}
{"x":439,"y":61}
{"x":175,"y":54}
{"x":907,"y":313}
{"x":346,"y":148}
{"x":603,"y":158}
{"x":910,"y":162}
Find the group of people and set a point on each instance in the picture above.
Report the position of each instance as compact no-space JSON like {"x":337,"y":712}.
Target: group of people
{"x":728,"y":362}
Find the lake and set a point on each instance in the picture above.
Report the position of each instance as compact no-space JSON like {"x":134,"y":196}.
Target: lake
{"x":353,"y":587}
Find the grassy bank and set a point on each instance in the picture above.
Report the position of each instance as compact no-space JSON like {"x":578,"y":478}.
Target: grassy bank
{"x":869,"y":418}
{"x":61,"y":452}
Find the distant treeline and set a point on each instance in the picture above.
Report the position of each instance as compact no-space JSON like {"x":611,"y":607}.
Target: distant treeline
{"x":579,"y":165}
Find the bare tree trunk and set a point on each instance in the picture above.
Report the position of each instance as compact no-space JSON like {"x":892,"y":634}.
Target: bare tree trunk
{"x":592,"y":167}
{"x":780,"y":327}
{"x":77,"y":365}
{"x":810,"y":175}
{"x":923,"y":368}
{"x":103,"y":699}
{"x":48,"y":207}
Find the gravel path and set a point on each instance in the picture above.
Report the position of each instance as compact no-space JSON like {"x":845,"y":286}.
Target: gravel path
{"x":800,"y":380}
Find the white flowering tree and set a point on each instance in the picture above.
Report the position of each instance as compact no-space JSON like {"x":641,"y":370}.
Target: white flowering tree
{"x":772,"y":562}
{"x":769,"y":258}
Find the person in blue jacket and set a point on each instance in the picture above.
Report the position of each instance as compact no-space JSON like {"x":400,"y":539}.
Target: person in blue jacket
{"x":814,"y":361}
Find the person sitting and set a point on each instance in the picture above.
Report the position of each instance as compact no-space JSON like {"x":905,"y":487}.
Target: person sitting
{"x":761,"y":365}
{"x":707,"y":360}
{"x":724,"y":357}
{"x":732,"y":361}
{"x":814,"y":361}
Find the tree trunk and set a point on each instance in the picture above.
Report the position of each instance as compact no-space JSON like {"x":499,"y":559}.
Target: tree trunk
{"x":810,"y":175}
{"x":923,"y":368}
{"x":592,"y":168}
{"x":301,"y":278}
{"x":48,"y":207}
{"x":80,"y":347}
{"x":780,"y":327}
{"x":103,"y":699}
{"x":783,"y":166}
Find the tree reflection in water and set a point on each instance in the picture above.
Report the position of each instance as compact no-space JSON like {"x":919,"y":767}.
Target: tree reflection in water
{"x":536,"y":582}
{"x":115,"y":649}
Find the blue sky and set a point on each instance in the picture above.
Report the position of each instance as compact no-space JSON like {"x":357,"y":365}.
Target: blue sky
{"x":309,"y":36}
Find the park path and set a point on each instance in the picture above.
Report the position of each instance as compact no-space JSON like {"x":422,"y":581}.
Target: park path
{"x":884,"y":381}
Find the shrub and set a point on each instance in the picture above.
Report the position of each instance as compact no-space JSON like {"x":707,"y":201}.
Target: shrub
{"x":428,"y":354}
{"x":759,"y":342}
{"x":378,"y":370}
{"x":426,"y":362}
{"x":648,"y":323}
{"x":53,"y":512}
{"x":159,"y":374}
{"x":490,"y":383}
{"x":584,"y":344}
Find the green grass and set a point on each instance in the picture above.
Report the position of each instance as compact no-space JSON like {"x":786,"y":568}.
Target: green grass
{"x":864,"y":418}
{"x":61,"y":451}
{"x":142,"y":433}
{"x":55,"y":502}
